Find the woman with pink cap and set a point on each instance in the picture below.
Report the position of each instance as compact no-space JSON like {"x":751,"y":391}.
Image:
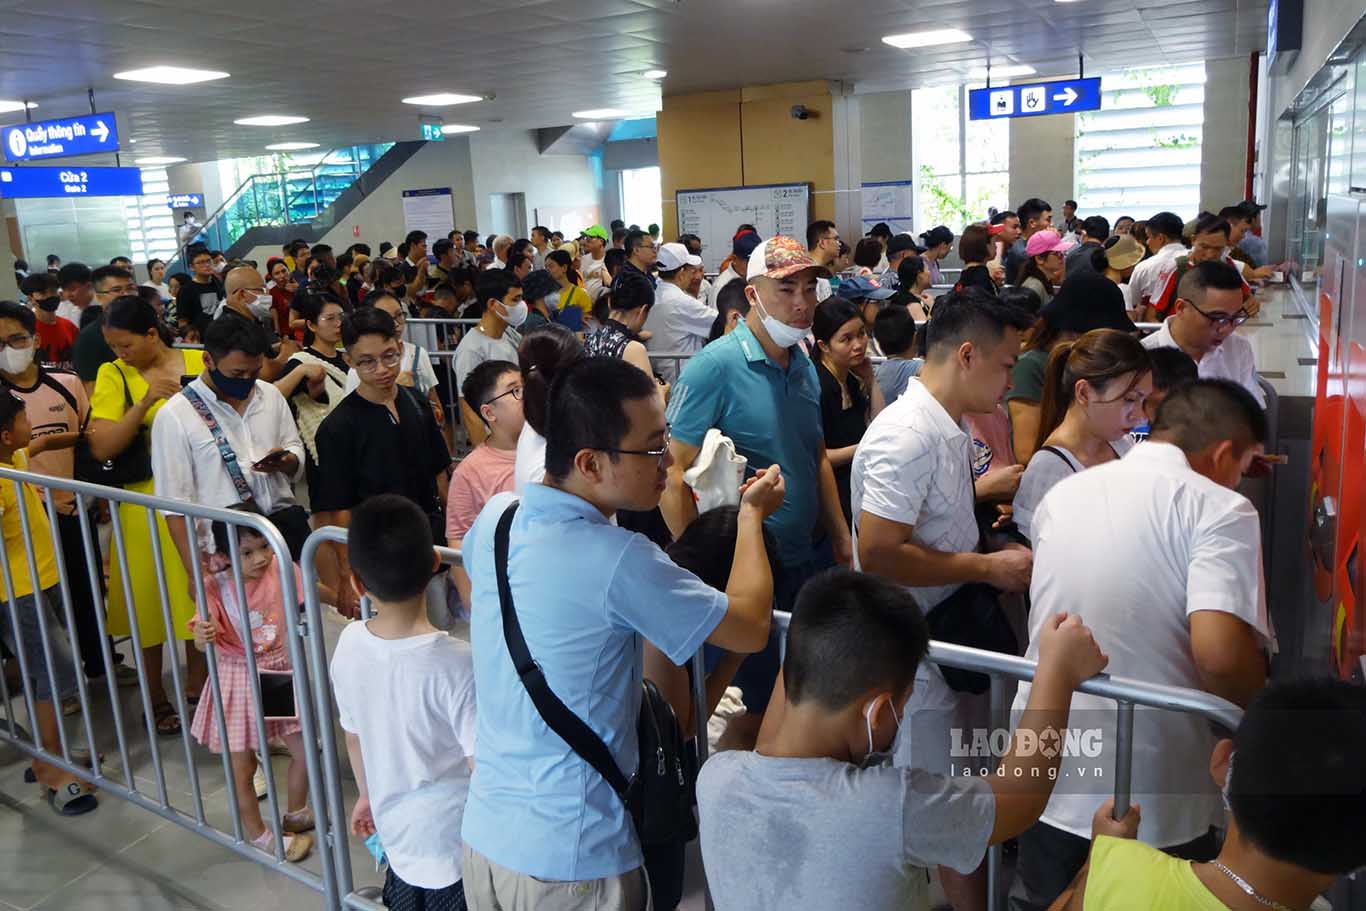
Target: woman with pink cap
{"x":1044,"y":268}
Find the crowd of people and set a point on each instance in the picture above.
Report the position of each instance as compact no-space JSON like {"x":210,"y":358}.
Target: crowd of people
{"x":637,"y":464}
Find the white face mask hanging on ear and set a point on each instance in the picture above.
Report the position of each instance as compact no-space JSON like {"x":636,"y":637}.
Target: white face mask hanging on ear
{"x":874,"y":757}
{"x":783,"y":335}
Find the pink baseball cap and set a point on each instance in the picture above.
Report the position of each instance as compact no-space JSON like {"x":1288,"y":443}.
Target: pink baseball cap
{"x":779,"y":257}
{"x":1041,"y":242}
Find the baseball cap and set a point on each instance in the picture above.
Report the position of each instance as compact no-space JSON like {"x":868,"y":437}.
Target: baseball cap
{"x":597,"y":231}
{"x":675,"y":256}
{"x":1251,"y":207}
{"x":779,"y":257}
{"x":744,"y":243}
{"x":1041,"y":242}
{"x":900,"y":243}
{"x":1122,"y":251}
{"x":862,"y":287}
{"x":1086,"y":301}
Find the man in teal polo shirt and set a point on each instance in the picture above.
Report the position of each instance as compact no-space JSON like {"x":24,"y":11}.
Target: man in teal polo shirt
{"x":758,"y":387}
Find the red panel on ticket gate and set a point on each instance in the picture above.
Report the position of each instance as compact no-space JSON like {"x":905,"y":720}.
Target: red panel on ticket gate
{"x":1326,"y":452}
{"x":1349,"y":615}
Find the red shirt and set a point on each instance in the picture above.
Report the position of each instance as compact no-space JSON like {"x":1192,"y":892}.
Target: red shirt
{"x":1165,"y":300}
{"x":55,"y":342}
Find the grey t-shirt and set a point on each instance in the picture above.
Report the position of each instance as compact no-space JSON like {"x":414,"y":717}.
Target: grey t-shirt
{"x":1045,"y":469}
{"x":892,"y":375}
{"x":476,"y":347}
{"x":819,"y":833}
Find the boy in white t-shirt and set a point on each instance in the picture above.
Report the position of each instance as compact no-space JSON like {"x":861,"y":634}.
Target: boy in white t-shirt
{"x":405,"y":696}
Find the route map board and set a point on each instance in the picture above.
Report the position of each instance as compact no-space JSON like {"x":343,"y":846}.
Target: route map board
{"x":714,"y":213}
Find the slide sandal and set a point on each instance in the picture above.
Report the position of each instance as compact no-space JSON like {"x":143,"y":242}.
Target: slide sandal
{"x":71,"y":800}
{"x":79,"y":756}
{"x":166,"y":718}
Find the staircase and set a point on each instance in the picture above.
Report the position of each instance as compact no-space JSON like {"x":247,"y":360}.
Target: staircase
{"x":272,"y":209}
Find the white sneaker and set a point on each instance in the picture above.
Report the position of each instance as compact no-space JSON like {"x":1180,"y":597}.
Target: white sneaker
{"x":259,"y":781}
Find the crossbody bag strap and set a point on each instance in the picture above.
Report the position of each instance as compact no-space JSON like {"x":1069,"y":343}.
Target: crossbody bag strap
{"x":220,"y":440}
{"x":557,"y":716}
{"x":1059,"y":453}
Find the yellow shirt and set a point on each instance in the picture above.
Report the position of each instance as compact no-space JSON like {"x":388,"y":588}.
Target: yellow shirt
{"x":11,"y":525}
{"x":1127,"y":875}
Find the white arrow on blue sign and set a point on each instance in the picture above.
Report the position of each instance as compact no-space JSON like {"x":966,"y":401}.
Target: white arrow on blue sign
{"x":1034,"y":99}
{"x":61,"y":138}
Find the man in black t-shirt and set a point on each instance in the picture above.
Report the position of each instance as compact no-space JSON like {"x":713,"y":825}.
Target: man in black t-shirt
{"x":379,"y":439}
{"x":199,"y":297}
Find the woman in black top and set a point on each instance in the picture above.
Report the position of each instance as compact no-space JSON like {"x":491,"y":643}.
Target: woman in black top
{"x":850,"y":396}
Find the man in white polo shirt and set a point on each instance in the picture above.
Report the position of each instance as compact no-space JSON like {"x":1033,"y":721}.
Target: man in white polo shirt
{"x":1160,"y":556}
{"x":913,"y":501}
{"x":1164,"y":243}
{"x":678,"y":322}
{"x":1208,"y":308}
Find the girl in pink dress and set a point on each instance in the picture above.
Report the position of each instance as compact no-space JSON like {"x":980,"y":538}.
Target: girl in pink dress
{"x":269,"y":628}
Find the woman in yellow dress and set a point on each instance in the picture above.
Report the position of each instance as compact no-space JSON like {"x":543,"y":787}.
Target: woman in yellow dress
{"x":128,"y":393}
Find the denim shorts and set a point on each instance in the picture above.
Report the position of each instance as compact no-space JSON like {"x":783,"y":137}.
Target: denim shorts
{"x":64,"y":669}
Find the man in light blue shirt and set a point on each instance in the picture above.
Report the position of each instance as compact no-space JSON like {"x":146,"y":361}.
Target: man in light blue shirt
{"x":587,"y":594}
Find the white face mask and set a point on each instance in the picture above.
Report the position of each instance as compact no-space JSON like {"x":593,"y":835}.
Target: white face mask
{"x":783,"y":335}
{"x":260,"y":306}
{"x":875,"y":757}
{"x":516,"y":314}
{"x":16,"y":360}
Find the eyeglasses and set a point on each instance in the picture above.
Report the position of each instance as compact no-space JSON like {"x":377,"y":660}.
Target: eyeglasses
{"x":1221,"y":320}
{"x":18,"y":340}
{"x":515,"y":392}
{"x":659,"y":453}
{"x":333,"y":318}
{"x":118,"y":290}
{"x":371,"y":364}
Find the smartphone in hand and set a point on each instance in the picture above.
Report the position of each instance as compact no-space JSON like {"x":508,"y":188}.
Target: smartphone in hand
{"x":271,"y":461}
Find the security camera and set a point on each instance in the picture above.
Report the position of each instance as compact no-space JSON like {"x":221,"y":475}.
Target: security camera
{"x":802,"y":112}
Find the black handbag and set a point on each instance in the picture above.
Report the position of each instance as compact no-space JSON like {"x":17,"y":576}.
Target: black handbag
{"x":658,"y":797}
{"x":132,"y":466}
{"x":972,"y":616}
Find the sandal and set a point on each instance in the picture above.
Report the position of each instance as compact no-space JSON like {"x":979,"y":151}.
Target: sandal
{"x":79,"y":756}
{"x":297,"y":847}
{"x":166,"y":718}
{"x":71,"y":800}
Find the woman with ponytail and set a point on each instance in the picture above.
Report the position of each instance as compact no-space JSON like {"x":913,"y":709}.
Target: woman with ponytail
{"x":1094,"y":389}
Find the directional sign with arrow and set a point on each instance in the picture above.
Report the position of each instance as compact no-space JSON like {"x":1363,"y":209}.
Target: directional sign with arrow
{"x":87,"y":135}
{"x":1034,"y":99}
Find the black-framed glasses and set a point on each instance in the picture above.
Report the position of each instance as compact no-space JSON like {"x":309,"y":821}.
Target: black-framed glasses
{"x":18,"y":340}
{"x":515,"y":392}
{"x":1223,"y":320}
{"x":659,"y":453}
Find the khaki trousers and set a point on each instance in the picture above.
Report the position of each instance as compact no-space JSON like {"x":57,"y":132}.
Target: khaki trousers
{"x":489,"y":887}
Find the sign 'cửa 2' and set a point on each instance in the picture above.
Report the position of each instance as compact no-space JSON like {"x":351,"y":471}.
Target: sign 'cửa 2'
{"x":60,"y":138}
{"x":1034,"y":99}
{"x":48,"y":183}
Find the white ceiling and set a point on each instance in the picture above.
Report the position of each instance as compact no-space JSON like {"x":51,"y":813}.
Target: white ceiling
{"x":346,"y":63}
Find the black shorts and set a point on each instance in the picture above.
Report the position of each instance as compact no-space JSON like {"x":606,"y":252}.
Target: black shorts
{"x":399,"y":896}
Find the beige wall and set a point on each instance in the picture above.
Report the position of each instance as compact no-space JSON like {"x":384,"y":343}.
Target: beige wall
{"x":1223,"y":150}
{"x":1042,"y":159}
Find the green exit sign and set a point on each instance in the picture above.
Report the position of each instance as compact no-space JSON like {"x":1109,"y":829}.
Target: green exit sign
{"x":432,"y":132}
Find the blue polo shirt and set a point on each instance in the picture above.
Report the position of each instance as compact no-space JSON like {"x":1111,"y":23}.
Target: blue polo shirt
{"x":587,"y":595}
{"x":772,"y":415}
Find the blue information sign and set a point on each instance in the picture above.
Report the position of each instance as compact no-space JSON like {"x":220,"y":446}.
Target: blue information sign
{"x":185,"y":201}
{"x":86,"y":135}
{"x":1035,"y":98}
{"x":36,"y":183}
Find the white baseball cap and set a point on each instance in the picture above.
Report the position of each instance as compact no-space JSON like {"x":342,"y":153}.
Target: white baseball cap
{"x":676,"y":256}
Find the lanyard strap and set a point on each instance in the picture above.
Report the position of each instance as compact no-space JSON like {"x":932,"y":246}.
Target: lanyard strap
{"x":224,"y":447}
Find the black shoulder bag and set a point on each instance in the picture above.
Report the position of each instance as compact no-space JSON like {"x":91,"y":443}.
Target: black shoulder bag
{"x":132,"y":466}
{"x":659,"y":797}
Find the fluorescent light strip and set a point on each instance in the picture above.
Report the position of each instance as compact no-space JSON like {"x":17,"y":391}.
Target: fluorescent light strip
{"x":1004,"y":71}
{"x":927,"y":39}
{"x":452,"y":128}
{"x":170,"y":75}
{"x":442,"y":99}
{"x":7,"y":107}
{"x":600,"y":114}
{"x":270,"y":120}
{"x":292,"y":146}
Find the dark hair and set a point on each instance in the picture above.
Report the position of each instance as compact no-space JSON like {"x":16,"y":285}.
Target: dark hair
{"x":707,"y":546}
{"x":617,"y":223}
{"x":403,"y":250}
{"x":1199,"y":278}
{"x":1297,"y":786}
{"x":310,"y":304}
{"x":414,"y":237}
{"x":831,"y":314}
{"x":631,"y":291}
{"x":223,"y":540}
{"x":1000,"y":217}
{"x":1207,"y":224}
{"x":154,"y":262}
{"x":149,"y":294}
{"x":482,"y":380}
{"x":131,"y":313}
{"x":472,"y":237}
{"x":867,"y":252}
{"x":19,"y":313}
{"x":565,"y":261}
{"x":384,"y":273}
{"x":908,"y":270}
{"x":687,"y":240}
{"x":367,"y":320}
{"x":1026,"y":299}
{"x":494,"y":284}
{"x":1032,"y":208}
{"x":815,"y":232}
{"x":1070,"y":202}
{"x":894,"y":329}
{"x":901,"y":243}
{"x":378,"y":294}
{"x":1234,"y":213}
{"x":730,"y":297}
{"x":586,"y":409}
{"x":230,"y":333}
{"x":216,"y":253}
{"x":516,"y":261}
{"x":547,"y":350}
{"x":881,"y":229}
{"x":344,"y":261}
{"x":618,"y":234}
{"x":389,"y":543}
{"x":362,"y":248}
{"x":1128,"y":218}
{"x":11,"y":405}
{"x":633,"y":239}
{"x":1172,"y":367}
{"x":1096,"y":227}
{"x":971,"y":315}
{"x":1030,"y":268}
{"x":1200,"y":414}
{"x":545,"y":232}
{"x":294,"y":246}
{"x":612,"y":260}
{"x":104,"y":272}
{"x":180,"y":278}
{"x":852,"y":632}
{"x":1099,"y":357}
{"x":442,"y":247}
{"x":38,"y":282}
{"x":937,"y":235}
{"x":384,"y":247}
{"x":974,"y":246}
{"x":321,"y":250}
{"x":1168,"y":224}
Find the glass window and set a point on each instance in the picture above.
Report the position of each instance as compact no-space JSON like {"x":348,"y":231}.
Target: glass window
{"x":1140,"y":153}
{"x":640,"y":196}
{"x":961,"y":166}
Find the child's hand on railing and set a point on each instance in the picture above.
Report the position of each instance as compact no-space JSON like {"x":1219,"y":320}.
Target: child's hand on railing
{"x":204,"y":632}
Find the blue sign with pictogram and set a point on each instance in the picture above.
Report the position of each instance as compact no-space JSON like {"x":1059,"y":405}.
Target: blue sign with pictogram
{"x":1033,"y":99}
{"x":88,"y":135}
{"x":41,"y":183}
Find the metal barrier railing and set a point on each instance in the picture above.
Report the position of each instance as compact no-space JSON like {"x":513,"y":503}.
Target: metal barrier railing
{"x":56,"y":643}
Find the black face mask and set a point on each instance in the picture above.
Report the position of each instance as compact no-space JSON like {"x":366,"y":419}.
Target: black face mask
{"x":49,"y":304}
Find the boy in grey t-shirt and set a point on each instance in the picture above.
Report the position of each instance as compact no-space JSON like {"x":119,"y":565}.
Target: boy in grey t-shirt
{"x":855,"y":834}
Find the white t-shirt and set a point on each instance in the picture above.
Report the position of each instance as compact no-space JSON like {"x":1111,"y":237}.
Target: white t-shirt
{"x":163,"y":289}
{"x":1135,"y":547}
{"x":69,"y":311}
{"x":1047,"y":467}
{"x":914,"y":466}
{"x":1232,"y":360}
{"x":411,"y":703}
{"x":678,"y":322}
{"x":415,"y":360}
{"x":530,"y":467}
{"x":1150,"y":276}
{"x":725,"y":278}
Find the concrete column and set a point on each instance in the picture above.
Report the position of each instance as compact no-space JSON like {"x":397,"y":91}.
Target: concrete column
{"x":1223,"y":150}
